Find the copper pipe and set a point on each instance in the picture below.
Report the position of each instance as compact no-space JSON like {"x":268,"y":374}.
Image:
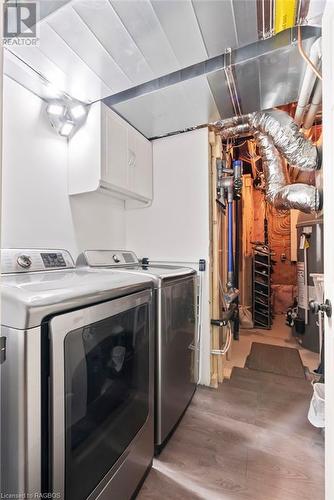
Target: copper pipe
{"x":305,"y":56}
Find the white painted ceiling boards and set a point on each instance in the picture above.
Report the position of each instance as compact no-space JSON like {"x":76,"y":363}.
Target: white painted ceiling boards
{"x":93,"y":49}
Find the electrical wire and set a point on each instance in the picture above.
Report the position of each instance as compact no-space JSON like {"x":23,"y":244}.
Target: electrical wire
{"x":228,"y":342}
{"x":305,"y":56}
{"x":235,"y":146}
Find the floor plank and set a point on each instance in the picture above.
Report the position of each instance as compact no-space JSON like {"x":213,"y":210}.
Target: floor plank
{"x":248,"y":440}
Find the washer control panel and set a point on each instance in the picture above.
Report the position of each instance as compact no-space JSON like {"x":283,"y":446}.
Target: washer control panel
{"x":24,"y":261}
{"x":17,"y":260}
{"x":116,"y":258}
{"x":52,"y":260}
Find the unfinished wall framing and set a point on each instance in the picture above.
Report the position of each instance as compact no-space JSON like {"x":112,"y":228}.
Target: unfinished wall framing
{"x":216,"y":361}
{"x":217,"y":264}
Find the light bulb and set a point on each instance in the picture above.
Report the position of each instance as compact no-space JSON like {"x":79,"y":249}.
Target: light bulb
{"x":56,"y":109}
{"x":78,"y":111}
{"x":66,"y":129}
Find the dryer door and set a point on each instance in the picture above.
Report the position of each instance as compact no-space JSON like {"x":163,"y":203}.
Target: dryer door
{"x":101,"y":358}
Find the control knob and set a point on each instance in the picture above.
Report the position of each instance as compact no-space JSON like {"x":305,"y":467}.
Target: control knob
{"x":24,"y":261}
{"x":116,"y":259}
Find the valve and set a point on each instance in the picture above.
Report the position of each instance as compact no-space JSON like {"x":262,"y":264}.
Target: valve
{"x":326,"y":307}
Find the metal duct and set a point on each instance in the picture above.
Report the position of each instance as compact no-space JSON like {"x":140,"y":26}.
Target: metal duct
{"x":279,"y":192}
{"x":242,"y":128}
{"x":283,"y":131}
{"x":277,"y":136}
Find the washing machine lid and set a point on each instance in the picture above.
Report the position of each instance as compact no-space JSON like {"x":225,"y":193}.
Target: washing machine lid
{"x":128,"y":261}
{"x":29,"y":297}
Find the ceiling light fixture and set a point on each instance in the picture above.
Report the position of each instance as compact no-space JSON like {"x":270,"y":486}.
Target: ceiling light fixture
{"x":78,"y":111}
{"x":66,"y":115}
{"x":56,"y":109}
{"x":66,"y":129}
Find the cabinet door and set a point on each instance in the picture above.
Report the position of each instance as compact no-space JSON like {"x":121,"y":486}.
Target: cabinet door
{"x":139,"y":164}
{"x":114,"y":147}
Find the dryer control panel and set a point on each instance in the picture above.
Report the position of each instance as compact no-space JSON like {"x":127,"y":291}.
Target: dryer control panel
{"x":20,"y":260}
{"x":110,"y":258}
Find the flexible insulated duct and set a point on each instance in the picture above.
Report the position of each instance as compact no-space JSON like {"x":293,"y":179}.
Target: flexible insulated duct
{"x":277,"y":136}
{"x":283,"y":131}
{"x":279,"y":192}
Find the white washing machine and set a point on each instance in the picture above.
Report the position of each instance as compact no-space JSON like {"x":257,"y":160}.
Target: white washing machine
{"x":176,"y":364}
{"x":77,"y":367}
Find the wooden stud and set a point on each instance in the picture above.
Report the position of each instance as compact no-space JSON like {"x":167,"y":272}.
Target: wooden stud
{"x":216,"y":360}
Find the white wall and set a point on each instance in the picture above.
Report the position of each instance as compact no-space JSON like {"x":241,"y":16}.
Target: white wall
{"x":176,"y":227}
{"x":37,"y":211}
{"x":328,"y":183}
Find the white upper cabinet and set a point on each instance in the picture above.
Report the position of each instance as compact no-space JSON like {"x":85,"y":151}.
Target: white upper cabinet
{"x":115,"y":149}
{"x":139,"y":164}
{"x":110,"y":156}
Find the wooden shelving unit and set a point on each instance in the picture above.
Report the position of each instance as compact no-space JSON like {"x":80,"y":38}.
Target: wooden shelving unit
{"x":262,"y":310}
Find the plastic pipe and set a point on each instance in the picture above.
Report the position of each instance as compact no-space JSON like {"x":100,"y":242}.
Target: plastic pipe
{"x":314,"y":106}
{"x":230,"y":267}
{"x":306,"y":285}
{"x":308,"y":82}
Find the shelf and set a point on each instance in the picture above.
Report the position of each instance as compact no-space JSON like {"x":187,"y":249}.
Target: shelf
{"x":262,"y":263}
{"x":266,"y":315}
{"x":262,"y":312}
{"x":262,"y":284}
{"x":261,"y":303}
{"x":260,"y":273}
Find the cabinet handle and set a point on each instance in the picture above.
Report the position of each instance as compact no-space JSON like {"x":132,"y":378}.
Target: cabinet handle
{"x":132,"y":158}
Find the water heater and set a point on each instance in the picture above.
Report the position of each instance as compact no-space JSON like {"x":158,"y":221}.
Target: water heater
{"x":310,"y":261}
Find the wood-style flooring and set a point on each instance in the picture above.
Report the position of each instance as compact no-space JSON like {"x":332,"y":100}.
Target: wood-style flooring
{"x":248,"y":440}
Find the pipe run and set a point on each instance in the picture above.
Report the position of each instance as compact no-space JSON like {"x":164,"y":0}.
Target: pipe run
{"x":230,"y":266}
{"x":308,"y":81}
{"x":314,"y":106}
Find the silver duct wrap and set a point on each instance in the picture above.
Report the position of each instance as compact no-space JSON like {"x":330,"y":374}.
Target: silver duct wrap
{"x":279,"y":192}
{"x":283,"y":131}
{"x":242,"y":128}
{"x":231,"y":122}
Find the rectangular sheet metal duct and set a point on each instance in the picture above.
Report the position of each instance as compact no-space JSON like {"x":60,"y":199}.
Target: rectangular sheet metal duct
{"x":266,"y":73}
